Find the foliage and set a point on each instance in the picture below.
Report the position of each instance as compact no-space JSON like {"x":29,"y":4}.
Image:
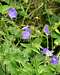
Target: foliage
{"x":25,"y":57}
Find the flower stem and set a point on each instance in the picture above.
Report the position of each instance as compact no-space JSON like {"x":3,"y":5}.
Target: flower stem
{"x":47,"y":42}
{"x":5,"y":69}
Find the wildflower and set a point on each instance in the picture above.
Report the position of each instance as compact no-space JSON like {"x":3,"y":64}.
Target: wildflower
{"x":25,"y":35}
{"x":54,"y":60}
{"x":47,"y":52}
{"x":26,"y":28}
{"x":12,"y":13}
{"x":46,"y":30}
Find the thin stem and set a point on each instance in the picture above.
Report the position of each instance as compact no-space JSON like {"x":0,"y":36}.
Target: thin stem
{"x":1,"y":67}
{"x":5,"y":69}
{"x":28,"y":6}
{"x":30,"y":14}
{"x":46,"y":7}
{"x":52,"y":42}
{"x":47,"y":42}
{"x":51,"y":31}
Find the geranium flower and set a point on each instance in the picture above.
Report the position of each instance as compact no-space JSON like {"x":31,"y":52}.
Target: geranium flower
{"x":26,"y":33}
{"x":12,"y":13}
{"x":26,"y":28}
{"x":54,"y":60}
{"x":46,"y":30}
{"x":47,"y":52}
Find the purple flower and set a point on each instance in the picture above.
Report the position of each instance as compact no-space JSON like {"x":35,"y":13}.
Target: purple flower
{"x":47,"y":52}
{"x":26,"y":28}
{"x":46,"y":30}
{"x":25,"y":35}
{"x":12,"y":13}
{"x":54,"y":60}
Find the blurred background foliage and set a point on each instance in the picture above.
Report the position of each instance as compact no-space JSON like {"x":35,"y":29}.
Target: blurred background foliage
{"x":18,"y":57}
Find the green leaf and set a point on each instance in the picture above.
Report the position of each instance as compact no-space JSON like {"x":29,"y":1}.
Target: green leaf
{"x":44,"y":70}
{"x":58,"y":68}
{"x":23,"y":13}
{"x":57,"y":1}
{"x":57,"y":41}
{"x":36,"y":43}
{"x":25,"y":1}
{"x":1,"y":71}
{"x":9,"y":1}
{"x":3,"y":9}
{"x":57,"y":36}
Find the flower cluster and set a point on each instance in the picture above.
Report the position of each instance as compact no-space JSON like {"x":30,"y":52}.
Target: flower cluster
{"x":27,"y":32}
{"x":46,"y":51}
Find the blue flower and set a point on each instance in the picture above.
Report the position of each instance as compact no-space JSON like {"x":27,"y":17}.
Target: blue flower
{"x":26,"y":28}
{"x":12,"y":13}
{"x":54,"y":60}
{"x":26,"y":33}
{"x":46,"y":30}
{"x":47,"y":52}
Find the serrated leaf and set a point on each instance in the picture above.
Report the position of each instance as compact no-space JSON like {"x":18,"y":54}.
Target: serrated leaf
{"x":3,"y":8}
